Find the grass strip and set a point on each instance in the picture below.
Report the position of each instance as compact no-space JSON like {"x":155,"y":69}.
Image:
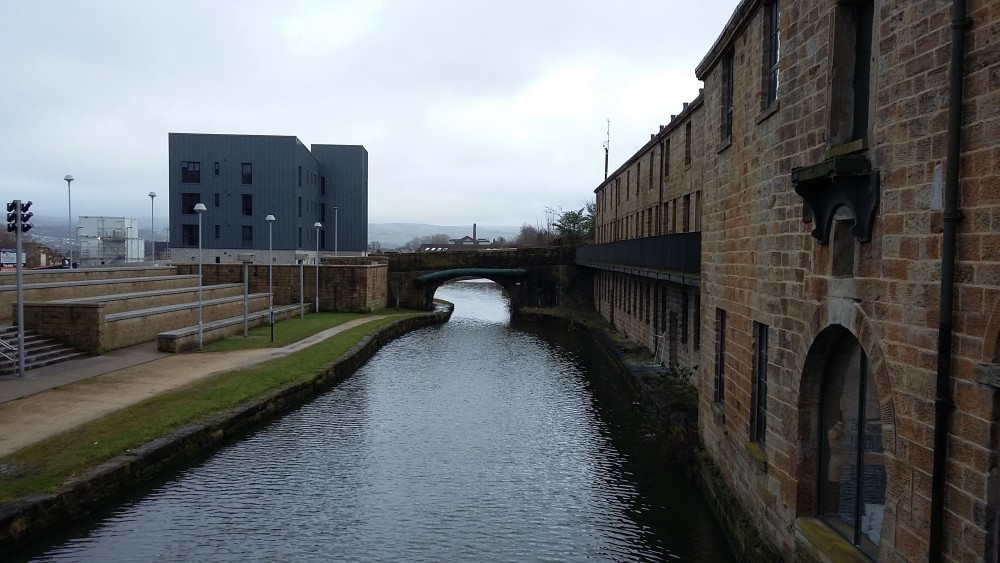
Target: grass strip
{"x":43,"y":466}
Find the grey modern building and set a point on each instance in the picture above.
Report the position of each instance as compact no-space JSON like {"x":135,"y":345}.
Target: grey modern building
{"x":241,"y":179}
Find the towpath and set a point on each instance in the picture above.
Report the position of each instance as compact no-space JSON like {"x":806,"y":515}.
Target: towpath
{"x":56,"y":398}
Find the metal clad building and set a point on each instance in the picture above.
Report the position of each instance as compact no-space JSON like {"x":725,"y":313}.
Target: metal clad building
{"x":243,"y":178}
{"x":347,"y":167}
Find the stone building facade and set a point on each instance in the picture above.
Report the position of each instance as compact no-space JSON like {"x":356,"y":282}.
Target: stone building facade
{"x":847,"y":196}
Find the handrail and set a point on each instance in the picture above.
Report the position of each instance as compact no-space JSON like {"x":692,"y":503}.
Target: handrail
{"x":8,"y":346}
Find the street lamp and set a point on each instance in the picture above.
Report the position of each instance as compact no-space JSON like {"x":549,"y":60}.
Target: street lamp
{"x":270,"y":275}
{"x":318,"y":226}
{"x":335,"y":223}
{"x":72,"y":233}
{"x":199,"y":208}
{"x":152,"y":230}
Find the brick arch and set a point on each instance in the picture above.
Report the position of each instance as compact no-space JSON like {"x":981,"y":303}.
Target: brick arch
{"x":829,"y":323}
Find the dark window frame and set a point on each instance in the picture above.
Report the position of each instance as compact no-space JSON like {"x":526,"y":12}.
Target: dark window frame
{"x":720,"y":356}
{"x":246,"y":205}
{"x":190,"y":172}
{"x":728,"y":95}
{"x":188,"y":201}
{"x":772,"y":52}
{"x":246,"y":177}
{"x":759,"y":408}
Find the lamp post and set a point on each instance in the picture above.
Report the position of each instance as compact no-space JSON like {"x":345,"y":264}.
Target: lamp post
{"x":199,"y":208}
{"x":72,"y":233}
{"x":318,"y":226}
{"x":270,"y":275}
{"x":335,"y":224}
{"x":152,"y":229}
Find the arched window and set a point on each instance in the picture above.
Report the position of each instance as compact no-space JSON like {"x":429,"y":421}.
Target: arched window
{"x":852,"y":477}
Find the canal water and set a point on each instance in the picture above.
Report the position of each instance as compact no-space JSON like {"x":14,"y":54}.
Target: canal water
{"x":478,"y":440}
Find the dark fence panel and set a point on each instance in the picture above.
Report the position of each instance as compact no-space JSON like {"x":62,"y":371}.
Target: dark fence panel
{"x":677,"y":252}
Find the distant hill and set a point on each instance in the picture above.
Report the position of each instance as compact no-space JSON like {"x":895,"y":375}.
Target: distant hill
{"x":394,"y":235}
{"x":389,"y":235}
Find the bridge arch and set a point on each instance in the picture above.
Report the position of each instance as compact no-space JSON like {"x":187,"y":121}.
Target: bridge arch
{"x":532,"y":277}
{"x":507,"y":278}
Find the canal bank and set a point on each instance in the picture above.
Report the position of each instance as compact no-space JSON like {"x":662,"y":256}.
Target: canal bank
{"x":31,"y":516}
{"x":670,"y":411}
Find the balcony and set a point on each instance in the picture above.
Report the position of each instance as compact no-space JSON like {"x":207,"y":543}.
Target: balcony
{"x":675,"y":257}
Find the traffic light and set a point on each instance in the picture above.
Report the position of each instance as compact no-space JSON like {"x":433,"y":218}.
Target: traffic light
{"x":12,"y":213}
{"x":25,"y":217}
{"x":18,"y":214}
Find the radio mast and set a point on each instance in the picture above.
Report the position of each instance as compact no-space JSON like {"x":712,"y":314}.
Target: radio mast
{"x":607,"y":145}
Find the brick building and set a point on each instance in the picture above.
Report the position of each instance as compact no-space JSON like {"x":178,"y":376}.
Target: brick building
{"x":843,"y":196}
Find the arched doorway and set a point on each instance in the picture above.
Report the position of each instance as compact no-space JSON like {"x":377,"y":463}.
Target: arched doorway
{"x":850,"y":485}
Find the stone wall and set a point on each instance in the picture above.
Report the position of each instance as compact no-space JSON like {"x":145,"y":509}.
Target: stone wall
{"x":762,"y":266}
{"x":345,"y":284}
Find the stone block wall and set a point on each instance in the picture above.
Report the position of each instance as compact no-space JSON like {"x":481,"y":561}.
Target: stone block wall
{"x":762,"y":266}
{"x":352,"y":284}
{"x":80,"y":326}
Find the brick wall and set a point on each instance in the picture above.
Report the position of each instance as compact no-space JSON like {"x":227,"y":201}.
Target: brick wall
{"x":761,"y":265}
{"x":356,"y":285}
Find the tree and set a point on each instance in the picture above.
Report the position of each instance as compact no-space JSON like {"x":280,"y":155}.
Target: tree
{"x":576,"y":227}
{"x":533,"y":236}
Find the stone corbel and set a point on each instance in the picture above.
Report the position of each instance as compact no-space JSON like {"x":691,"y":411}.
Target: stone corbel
{"x":846,"y":180}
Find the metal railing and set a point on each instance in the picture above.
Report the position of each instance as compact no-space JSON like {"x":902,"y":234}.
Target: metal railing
{"x":4,"y":345}
{"x":677,"y":252}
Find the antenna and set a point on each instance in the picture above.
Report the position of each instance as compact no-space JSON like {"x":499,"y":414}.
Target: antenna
{"x":607,"y":145}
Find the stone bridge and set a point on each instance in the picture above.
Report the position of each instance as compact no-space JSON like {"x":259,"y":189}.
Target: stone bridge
{"x":532,"y":277}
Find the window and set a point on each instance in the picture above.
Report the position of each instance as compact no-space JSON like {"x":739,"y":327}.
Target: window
{"x":322,"y":239}
{"x":852,"y":479}
{"x":300,"y":237}
{"x":687,"y":143}
{"x":772,"y":43}
{"x":759,"y":399}
{"x":684,"y":316}
{"x":628,"y":182}
{"x":728,"y":71}
{"x":190,"y":172}
{"x":188,"y":201}
{"x":322,"y":185}
{"x":720,"y":355}
{"x":638,"y":176}
{"x":687,"y":213}
{"x":247,"y":173}
{"x":300,"y":176}
{"x":189,"y":235}
{"x":300,"y":207}
{"x":218,"y":170}
{"x":247,"y":205}
{"x":851,"y":77}
{"x":217,"y":200}
{"x":650,"y":169}
{"x":697,"y":321}
{"x":246,"y":238}
{"x":218,"y":231}
{"x":322,"y":212}
{"x":666,"y":157}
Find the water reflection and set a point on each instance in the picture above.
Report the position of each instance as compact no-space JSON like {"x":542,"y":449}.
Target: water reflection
{"x":476,"y":440}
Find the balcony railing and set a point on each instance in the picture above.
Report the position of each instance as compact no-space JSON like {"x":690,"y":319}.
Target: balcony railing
{"x":677,"y":252}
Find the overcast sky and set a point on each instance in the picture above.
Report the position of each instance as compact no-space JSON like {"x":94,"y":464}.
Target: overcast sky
{"x":471,"y":111}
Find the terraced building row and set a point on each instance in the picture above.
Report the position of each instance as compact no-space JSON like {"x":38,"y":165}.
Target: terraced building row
{"x":815,"y":241}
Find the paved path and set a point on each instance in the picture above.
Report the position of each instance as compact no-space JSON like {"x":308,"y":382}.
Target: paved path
{"x":56,"y":398}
